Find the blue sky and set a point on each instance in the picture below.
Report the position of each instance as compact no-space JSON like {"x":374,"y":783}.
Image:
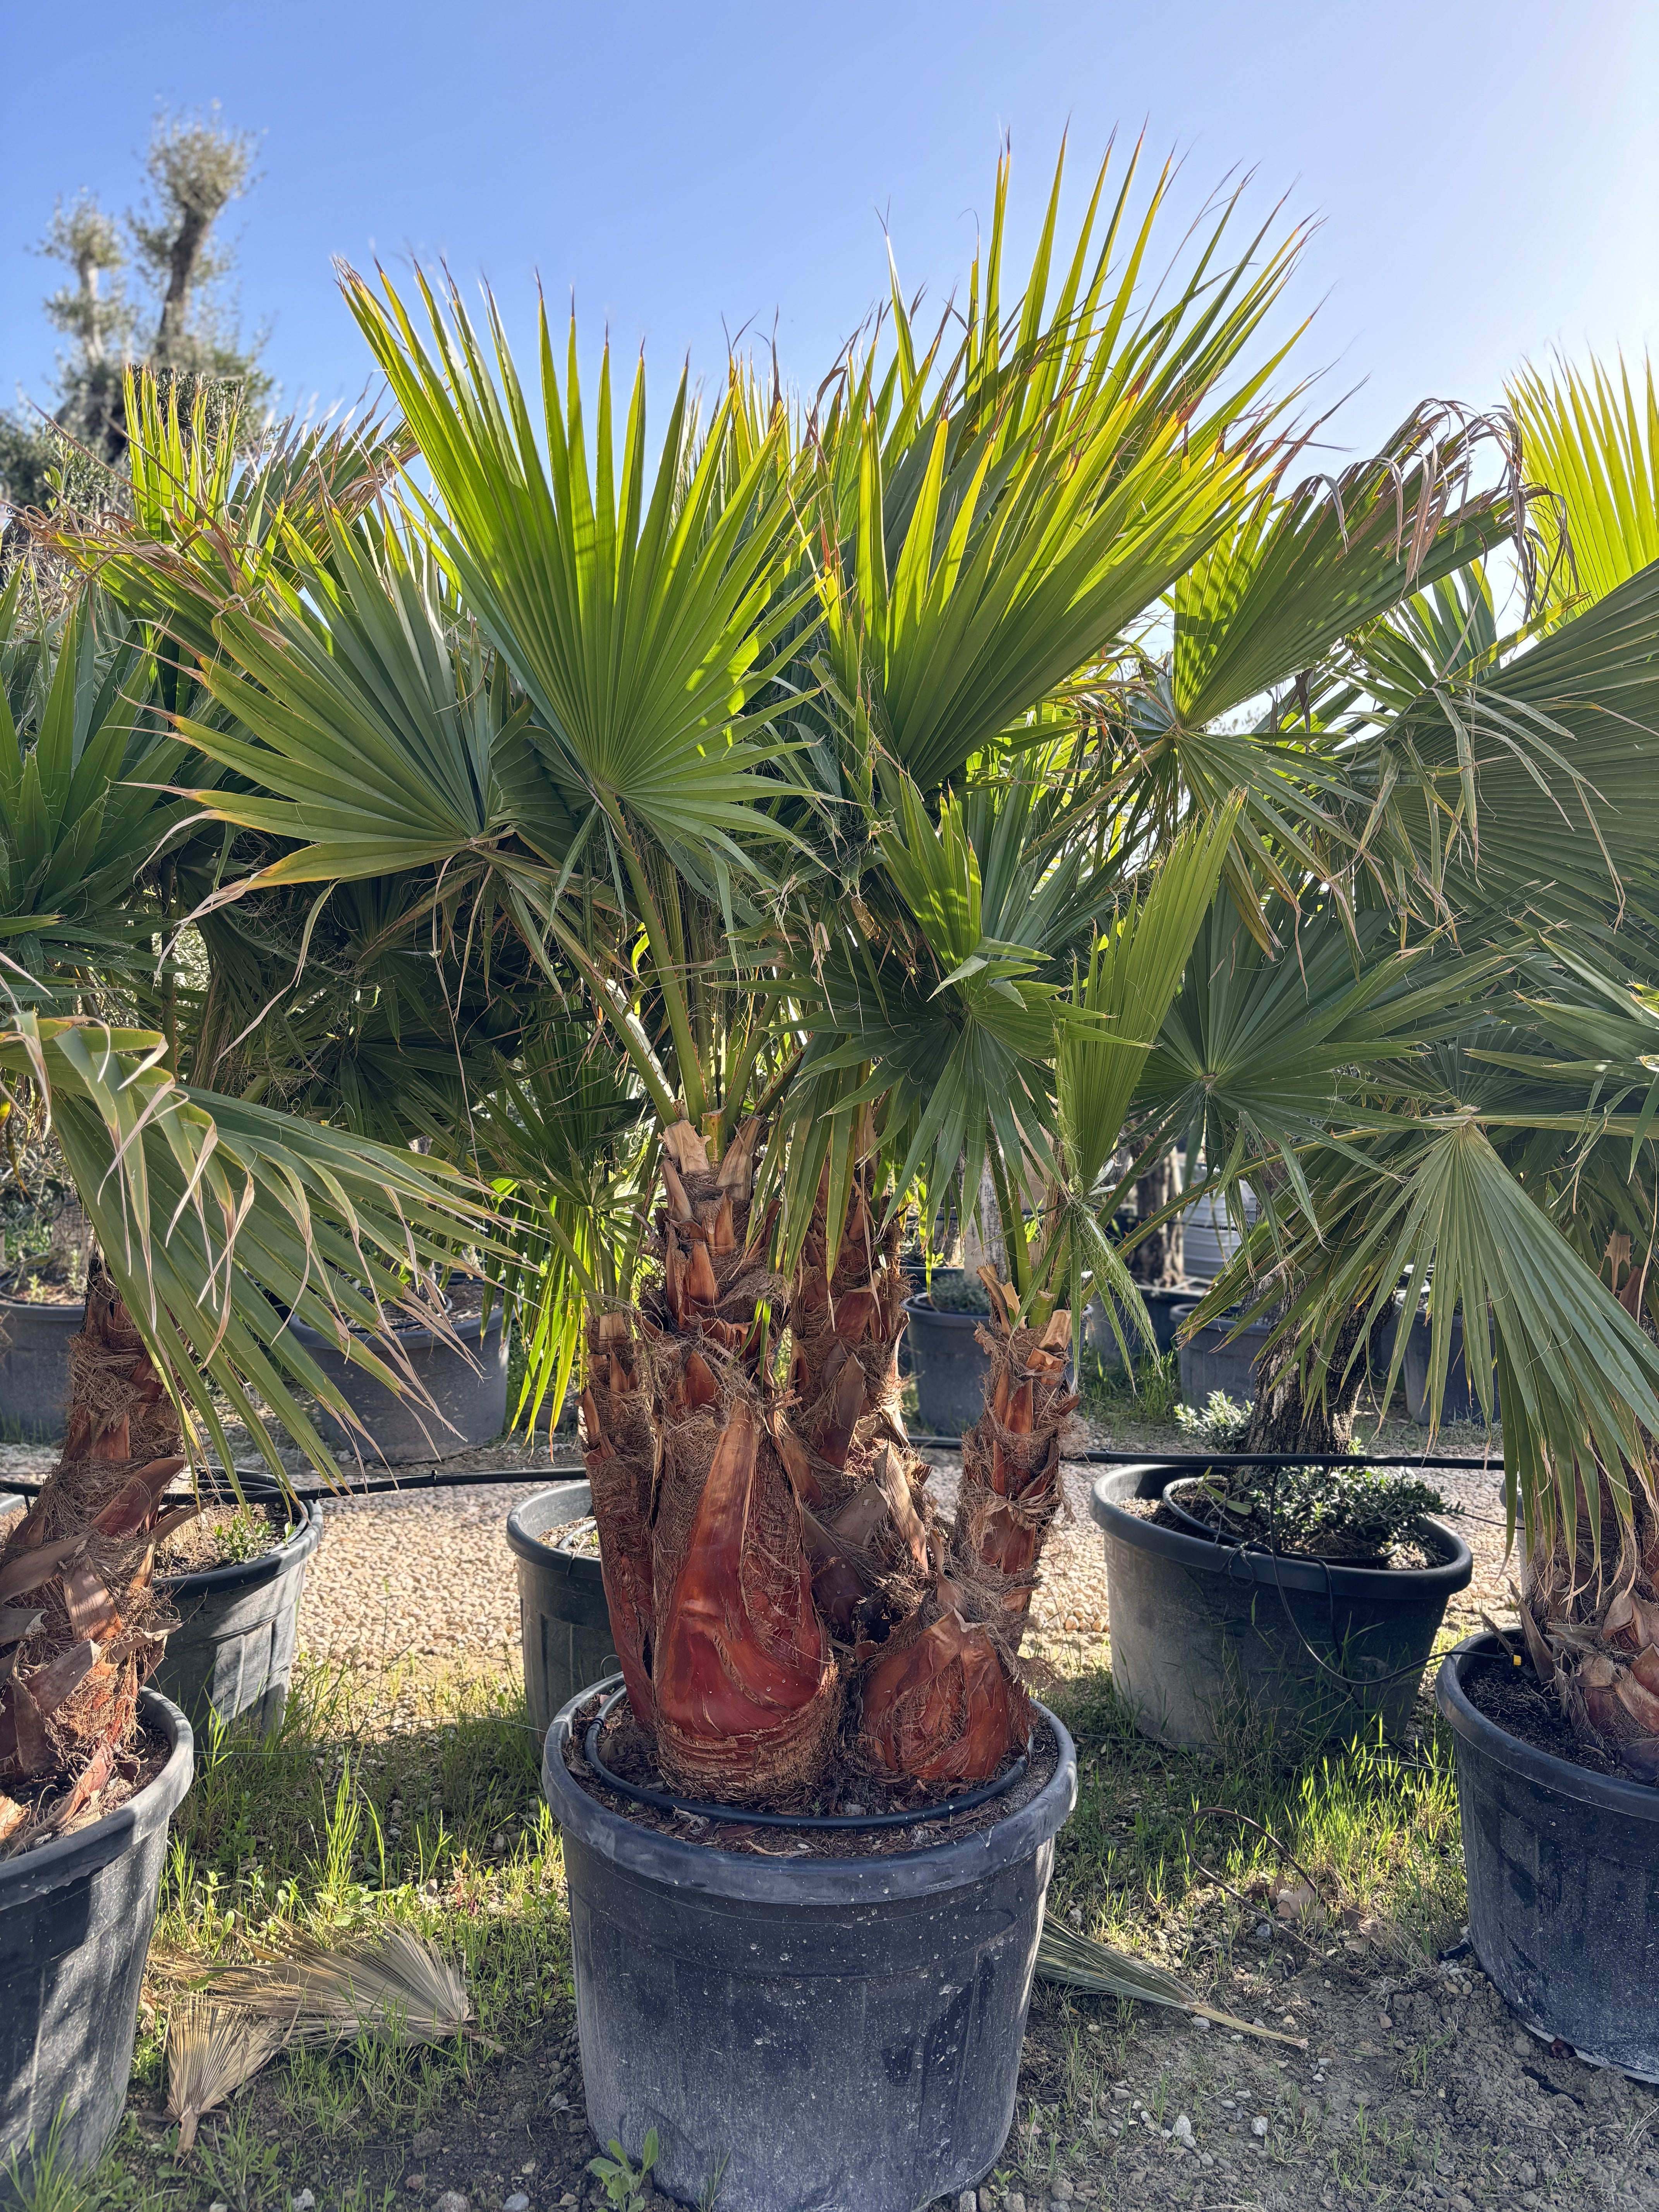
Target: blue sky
{"x":1485,"y":173}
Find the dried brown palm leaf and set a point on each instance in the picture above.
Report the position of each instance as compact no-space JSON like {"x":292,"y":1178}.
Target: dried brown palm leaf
{"x":212,"y":2049}
{"x":393,"y":1984}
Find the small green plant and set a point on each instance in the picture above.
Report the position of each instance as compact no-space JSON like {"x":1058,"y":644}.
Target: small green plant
{"x":1337,"y":1512}
{"x":624,"y":2188}
{"x":966,"y":1297}
{"x":244,"y":1534}
{"x":1152,"y":1396}
{"x":1220,"y":1424}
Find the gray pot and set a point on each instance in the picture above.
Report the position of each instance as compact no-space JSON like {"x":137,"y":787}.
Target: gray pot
{"x":563,"y":1620}
{"x":468,"y":1386}
{"x":231,"y":1656}
{"x":1209,"y":1363}
{"x":34,"y":1368}
{"x":1224,"y":1647}
{"x":950,"y":1365}
{"x":1163,"y":1311}
{"x":75,"y":1918}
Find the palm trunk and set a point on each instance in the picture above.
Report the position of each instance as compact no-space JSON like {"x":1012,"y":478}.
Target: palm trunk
{"x":1592,"y":1630}
{"x":1285,"y":1418}
{"x":1159,"y":1260}
{"x":83,"y":1624}
{"x":1011,"y":1463}
{"x":746,"y":1693}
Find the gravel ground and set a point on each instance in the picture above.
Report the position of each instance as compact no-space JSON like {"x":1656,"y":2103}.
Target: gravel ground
{"x":428,"y":1575}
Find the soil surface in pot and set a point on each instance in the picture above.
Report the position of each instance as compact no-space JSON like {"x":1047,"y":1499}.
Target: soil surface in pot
{"x":140,"y":1763}
{"x":47,"y":1280}
{"x":224,"y":1536}
{"x":580,"y":1538}
{"x":1163,"y":1516}
{"x":1512,"y":1699}
{"x":627,"y":1752}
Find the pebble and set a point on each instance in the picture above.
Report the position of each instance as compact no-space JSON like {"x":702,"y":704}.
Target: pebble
{"x":1182,"y":2131}
{"x":968,"y":2201}
{"x":518,"y":2202}
{"x":1259,"y":2124}
{"x":451,"y":2201}
{"x":305,"y":2202}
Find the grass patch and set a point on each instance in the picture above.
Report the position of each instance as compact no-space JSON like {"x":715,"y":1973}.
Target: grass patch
{"x":1111,"y":1396}
{"x":1154,"y":1860}
{"x":382,"y":1798}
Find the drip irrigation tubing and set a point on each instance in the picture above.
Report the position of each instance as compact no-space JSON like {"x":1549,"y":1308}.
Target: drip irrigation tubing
{"x":484,"y":1478}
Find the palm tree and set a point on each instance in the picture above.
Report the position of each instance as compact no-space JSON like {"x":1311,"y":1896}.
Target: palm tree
{"x":848,"y":838}
{"x":214,"y":1219}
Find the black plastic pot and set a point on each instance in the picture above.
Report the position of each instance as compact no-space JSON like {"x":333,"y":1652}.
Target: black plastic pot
{"x":1563,"y":1869}
{"x":35,"y":1369}
{"x":950,"y":1365}
{"x":1460,"y":1403}
{"x":232,"y":1654}
{"x":1209,"y":1363}
{"x":1212,"y":1642}
{"x":563,"y":1618}
{"x":75,"y":1919}
{"x":1164,"y":1308}
{"x":841,"y":2032}
{"x":468,"y":1386}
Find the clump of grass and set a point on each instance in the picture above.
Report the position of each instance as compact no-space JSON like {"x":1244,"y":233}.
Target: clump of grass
{"x":1151,"y":1394}
{"x":386,"y":1811}
{"x":1175,"y":1856}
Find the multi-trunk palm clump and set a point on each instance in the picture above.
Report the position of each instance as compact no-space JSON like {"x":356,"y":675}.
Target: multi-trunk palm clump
{"x":788,"y":1608}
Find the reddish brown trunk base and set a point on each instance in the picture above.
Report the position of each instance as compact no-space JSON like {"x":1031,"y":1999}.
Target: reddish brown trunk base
{"x":1011,"y":1479}
{"x":78,"y":1632}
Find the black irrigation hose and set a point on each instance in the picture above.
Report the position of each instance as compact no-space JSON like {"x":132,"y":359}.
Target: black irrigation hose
{"x":482,"y":1478}
{"x":736,"y":1816}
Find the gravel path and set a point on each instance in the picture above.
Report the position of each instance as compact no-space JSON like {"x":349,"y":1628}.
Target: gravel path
{"x":429,"y":1576}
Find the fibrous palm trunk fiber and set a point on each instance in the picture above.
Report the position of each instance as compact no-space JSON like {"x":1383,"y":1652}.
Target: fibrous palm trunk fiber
{"x":746,"y":1693}
{"x":938,"y":1699}
{"x":619,"y":1450}
{"x":1592,"y":1629}
{"x":1011,"y":1479}
{"x":79,"y":1619}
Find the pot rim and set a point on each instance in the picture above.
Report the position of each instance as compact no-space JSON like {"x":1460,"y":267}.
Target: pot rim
{"x":43,"y":1306}
{"x":250,"y":1574}
{"x":952,"y":1863}
{"x":1201,"y":1554}
{"x":526,"y":1542}
{"x":922,"y":1304}
{"x":1636,"y":1800}
{"x":28,"y":1880}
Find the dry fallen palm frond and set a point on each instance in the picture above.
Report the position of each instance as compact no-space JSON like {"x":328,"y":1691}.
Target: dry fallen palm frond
{"x":393,"y":1984}
{"x":1081,"y":1963}
{"x":211,"y":2050}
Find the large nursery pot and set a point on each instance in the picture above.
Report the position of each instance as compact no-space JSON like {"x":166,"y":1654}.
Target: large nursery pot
{"x":35,"y":1369}
{"x":1563,"y":1868}
{"x":231,"y":1657}
{"x":468,"y":1386}
{"x":1210,"y":1363}
{"x":839,"y":2033}
{"x":950,"y":1364}
{"x":75,"y":1918}
{"x":563,"y":1619}
{"x":1211,"y":1640}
